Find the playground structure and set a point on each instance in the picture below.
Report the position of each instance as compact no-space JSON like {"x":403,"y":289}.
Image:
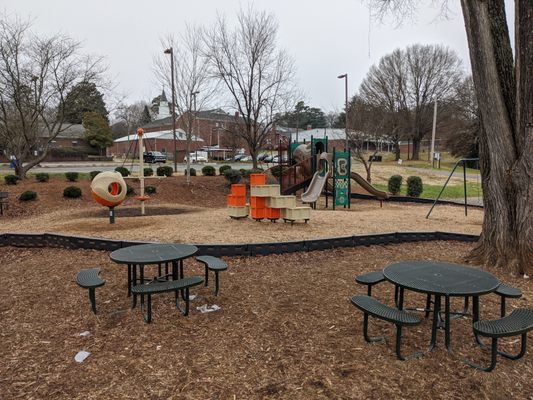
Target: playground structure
{"x":266,"y":202}
{"x":109,"y":189}
{"x":311,"y":166}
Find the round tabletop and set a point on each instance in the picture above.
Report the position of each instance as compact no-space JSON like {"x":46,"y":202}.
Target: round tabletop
{"x":153,"y":253}
{"x":442,"y":278}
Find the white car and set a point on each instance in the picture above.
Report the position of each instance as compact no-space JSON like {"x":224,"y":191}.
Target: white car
{"x":197,"y":158}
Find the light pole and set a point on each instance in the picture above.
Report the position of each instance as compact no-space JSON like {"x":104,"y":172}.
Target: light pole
{"x":345,"y":77}
{"x":171,"y":52}
{"x":432,"y":151}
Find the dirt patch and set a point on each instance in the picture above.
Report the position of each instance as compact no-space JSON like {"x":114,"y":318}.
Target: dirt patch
{"x":286,"y":330}
{"x":132,"y":211}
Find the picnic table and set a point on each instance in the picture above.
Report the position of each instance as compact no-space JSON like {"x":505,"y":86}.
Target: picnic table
{"x":441,"y":279}
{"x":136,"y":257}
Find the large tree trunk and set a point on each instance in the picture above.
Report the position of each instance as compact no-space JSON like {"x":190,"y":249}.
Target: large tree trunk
{"x":505,"y":160}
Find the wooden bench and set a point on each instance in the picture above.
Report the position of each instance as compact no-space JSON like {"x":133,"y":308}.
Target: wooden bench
{"x":89,"y":279}
{"x":3,"y":202}
{"x":519,"y":322}
{"x":371,"y":306}
{"x":157,"y":286}
{"x":506,"y":291}
{"x":212,"y":264}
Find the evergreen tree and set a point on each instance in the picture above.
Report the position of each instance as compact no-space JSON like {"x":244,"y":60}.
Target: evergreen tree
{"x":145,"y":117}
{"x":84,"y":97}
{"x":97,"y":130}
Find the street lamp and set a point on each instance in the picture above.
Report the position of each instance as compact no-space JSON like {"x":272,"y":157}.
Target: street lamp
{"x":171,"y":52}
{"x":345,"y":77}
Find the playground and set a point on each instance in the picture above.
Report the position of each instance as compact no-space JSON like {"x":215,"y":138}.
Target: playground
{"x":285,"y":328}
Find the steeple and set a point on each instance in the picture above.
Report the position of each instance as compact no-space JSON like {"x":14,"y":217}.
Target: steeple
{"x":164,"y":96}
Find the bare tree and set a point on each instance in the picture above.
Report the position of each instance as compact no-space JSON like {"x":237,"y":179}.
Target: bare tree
{"x":131,"y":114}
{"x":257,"y":75}
{"x":36,"y":73}
{"x":504,"y":88}
{"x":385,"y":90}
{"x":193,"y":82}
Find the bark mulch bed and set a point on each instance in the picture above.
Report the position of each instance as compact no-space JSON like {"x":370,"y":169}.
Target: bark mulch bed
{"x":286,"y":330}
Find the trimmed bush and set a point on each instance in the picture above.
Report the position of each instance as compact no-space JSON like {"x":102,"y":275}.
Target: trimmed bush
{"x":129,"y":190}
{"x":232,"y":175}
{"x":123,"y":171}
{"x":28,"y":195}
{"x":164,"y":170}
{"x":72,"y":176}
{"x":249,"y":171}
{"x":223,"y":168}
{"x":148,"y":171}
{"x":11,"y":179}
{"x":414,"y":186}
{"x":72,"y":192}
{"x":209,"y":170}
{"x":93,"y":174}
{"x":242,"y":171}
{"x":150,"y":190}
{"x":192,"y":172}
{"x":42,"y":177}
{"x":395,"y":184}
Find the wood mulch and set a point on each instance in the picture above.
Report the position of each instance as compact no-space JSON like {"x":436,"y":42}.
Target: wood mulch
{"x":286,"y":330}
{"x":197,"y":213}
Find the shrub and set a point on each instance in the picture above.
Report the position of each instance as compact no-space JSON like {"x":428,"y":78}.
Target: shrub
{"x":72,"y":192}
{"x":123,"y":171}
{"x":42,"y":177}
{"x":414,"y":186}
{"x":148,"y":171}
{"x":93,"y":174}
{"x":232,"y":175}
{"x":164,"y":170}
{"x":246,"y":172}
{"x":129,"y":190}
{"x":209,"y":170}
{"x":223,"y":168}
{"x":395,"y":183}
{"x":72,"y":176}
{"x":150,"y":189}
{"x":11,"y":179}
{"x":192,"y":172}
{"x":28,"y":195}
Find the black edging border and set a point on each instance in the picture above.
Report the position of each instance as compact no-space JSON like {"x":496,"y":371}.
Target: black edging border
{"x":234,"y":250}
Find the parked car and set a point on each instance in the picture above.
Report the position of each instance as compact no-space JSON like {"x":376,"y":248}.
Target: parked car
{"x":197,"y":158}
{"x":246,"y":158}
{"x":262,"y":156}
{"x":152,"y":157}
{"x":268,"y":158}
{"x":238,"y":157}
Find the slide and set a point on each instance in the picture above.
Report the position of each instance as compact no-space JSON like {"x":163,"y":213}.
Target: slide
{"x":368,"y":187}
{"x":315,"y":188}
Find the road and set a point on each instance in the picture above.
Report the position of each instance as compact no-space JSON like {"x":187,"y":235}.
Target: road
{"x":86,"y":167}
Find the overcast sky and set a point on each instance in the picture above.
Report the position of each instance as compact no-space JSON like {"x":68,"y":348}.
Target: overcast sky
{"x":326,"y":38}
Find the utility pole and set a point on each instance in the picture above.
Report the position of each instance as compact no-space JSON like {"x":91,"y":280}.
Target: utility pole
{"x":432,"y":151}
{"x":170,"y":51}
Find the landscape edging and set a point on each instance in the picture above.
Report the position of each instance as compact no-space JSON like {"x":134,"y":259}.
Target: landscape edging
{"x":234,"y":250}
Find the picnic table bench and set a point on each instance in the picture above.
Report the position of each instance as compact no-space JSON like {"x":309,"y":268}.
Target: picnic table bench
{"x":212,"y":264}
{"x":161,"y":286}
{"x":89,"y":279}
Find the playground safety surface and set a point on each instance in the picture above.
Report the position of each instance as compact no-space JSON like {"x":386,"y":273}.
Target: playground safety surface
{"x":286,"y":330}
{"x":196,"y":213}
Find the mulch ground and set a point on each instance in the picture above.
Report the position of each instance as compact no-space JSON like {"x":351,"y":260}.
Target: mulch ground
{"x":286,"y":330}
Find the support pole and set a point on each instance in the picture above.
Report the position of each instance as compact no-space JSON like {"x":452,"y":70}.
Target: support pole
{"x":464,"y":185}
{"x":111,"y":215}
{"x":140,"y":133}
{"x":432,"y":151}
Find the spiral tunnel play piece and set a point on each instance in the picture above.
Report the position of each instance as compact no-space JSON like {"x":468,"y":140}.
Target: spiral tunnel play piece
{"x":109,"y":188}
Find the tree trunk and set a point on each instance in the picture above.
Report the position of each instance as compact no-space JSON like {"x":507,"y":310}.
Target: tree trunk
{"x":416,"y":149}
{"x":505,"y":151}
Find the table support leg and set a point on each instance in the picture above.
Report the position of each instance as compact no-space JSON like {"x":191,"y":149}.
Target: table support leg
{"x":475,"y":318}
{"x":129,"y":280}
{"x":447,"y":331}
{"x":400,"y":299}
{"x":435,"y":323}
{"x":181,"y":277}
{"x":141,"y":277}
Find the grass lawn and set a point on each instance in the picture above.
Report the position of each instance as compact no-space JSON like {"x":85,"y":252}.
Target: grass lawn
{"x":432,"y":191}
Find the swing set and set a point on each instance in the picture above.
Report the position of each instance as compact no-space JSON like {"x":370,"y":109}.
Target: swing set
{"x":463,"y":161}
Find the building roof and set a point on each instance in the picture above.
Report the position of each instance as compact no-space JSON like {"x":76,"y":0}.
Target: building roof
{"x":332,"y":134}
{"x":165,"y":134}
{"x":68,"y":131}
{"x":216,"y":114}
